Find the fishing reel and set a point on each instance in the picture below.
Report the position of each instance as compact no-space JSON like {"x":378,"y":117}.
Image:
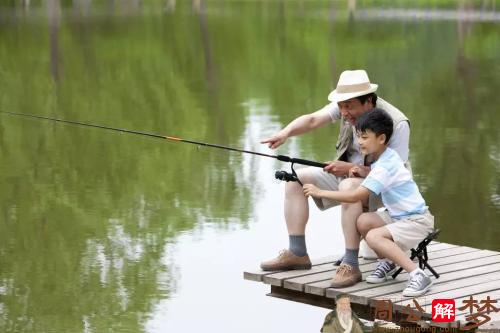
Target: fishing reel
{"x":287,"y":176}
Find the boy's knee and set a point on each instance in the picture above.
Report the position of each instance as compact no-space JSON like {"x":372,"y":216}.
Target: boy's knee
{"x":371,"y":237}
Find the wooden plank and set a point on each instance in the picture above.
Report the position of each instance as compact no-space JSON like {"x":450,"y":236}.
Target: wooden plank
{"x":323,"y":278}
{"x":277,"y":279}
{"x":328,"y":303}
{"x":464,"y":271}
{"x":258,"y":274}
{"x":463,"y":292}
{"x":453,"y":287}
{"x":317,"y":288}
{"x":439,"y":246}
{"x":296,"y":296}
{"x":469,"y":260}
{"x":438,"y":260}
{"x":447,"y":275}
{"x":298,"y":283}
{"x":450,"y":251}
{"x":330,"y":292}
{"x":494,"y":294}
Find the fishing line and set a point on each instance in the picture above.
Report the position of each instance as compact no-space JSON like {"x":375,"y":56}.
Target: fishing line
{"x":282,"y":158}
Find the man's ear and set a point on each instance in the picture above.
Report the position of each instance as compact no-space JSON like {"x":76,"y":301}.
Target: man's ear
{"x":381,"y":138}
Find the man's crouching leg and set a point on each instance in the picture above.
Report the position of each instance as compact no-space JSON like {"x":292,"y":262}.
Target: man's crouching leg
{"x":296,"y":208}
{"x":348,"y":273}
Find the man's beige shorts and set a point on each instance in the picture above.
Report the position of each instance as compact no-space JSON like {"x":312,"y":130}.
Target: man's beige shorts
{"x":407,"y":232}
{"x":329,"y":182}
{"x":324,"y":181}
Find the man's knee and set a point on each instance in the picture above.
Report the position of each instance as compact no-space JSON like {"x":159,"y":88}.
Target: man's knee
{"x":306,"y":176}
{"x":294,"y":187}
{"x":350,"y":184}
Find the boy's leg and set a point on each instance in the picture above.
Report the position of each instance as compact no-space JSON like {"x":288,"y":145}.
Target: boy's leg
{"x":385,"y":267}
{"x":380,"y":240}
{"x":367,"y":222}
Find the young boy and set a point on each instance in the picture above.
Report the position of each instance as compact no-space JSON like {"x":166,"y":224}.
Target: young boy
{"x":407,"y":219}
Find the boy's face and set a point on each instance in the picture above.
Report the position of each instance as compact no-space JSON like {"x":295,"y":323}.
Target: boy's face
{"x":370,"y":143}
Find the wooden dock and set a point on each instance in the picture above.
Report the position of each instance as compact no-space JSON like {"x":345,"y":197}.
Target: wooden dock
{"x":464,"y":272}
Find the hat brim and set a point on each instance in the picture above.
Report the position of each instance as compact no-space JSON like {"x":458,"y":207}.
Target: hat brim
{"x":336,"y":97}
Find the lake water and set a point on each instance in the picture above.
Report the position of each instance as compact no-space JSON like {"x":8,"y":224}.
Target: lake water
{"x":109,"y":232}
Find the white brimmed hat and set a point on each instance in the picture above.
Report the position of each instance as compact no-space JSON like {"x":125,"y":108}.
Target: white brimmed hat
{"x":352,"y":84}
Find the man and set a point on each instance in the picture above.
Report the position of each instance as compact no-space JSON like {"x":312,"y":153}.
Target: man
{"x":353,"y":96}
{"x":342,"y":319}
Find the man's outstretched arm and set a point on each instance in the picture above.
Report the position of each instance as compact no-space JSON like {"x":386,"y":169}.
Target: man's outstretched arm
{"x":299,"y":125}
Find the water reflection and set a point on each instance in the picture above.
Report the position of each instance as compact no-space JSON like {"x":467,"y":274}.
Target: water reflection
{"x":211,"y":258}
{"x":104,"y":230}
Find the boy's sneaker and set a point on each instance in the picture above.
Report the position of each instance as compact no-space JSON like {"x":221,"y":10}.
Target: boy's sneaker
{"x":384,"y":269}
{"x":418,"y":284}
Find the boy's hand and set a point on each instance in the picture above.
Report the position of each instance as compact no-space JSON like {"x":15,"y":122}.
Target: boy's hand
{"x":358,"y":171}
{"x":311,"y":190}
{"x":276,"y":140}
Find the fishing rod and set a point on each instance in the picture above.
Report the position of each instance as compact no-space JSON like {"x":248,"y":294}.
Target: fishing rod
{"x":282,"y":175}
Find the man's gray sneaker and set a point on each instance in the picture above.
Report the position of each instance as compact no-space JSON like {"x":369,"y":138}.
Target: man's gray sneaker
{"x":384,"y":269}
{"x":418,"y":284}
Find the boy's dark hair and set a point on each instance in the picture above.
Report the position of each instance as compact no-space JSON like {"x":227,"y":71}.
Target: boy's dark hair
{"x":366,"y":97}
{"x":377,"y":121}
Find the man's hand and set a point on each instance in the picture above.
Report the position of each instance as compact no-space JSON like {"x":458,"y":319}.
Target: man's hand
{"x":358,"y":171}
{"x":276,"y":140}
{"x":338,"y":168}
{"x":311,"y":190}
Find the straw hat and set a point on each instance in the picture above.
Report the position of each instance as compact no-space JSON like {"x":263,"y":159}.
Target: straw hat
{"x":352,"y":84}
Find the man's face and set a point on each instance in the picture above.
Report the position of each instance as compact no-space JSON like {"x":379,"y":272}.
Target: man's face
{"x":343,"y":304}
{"x":352,"y":109}
{"x":369,"y":142}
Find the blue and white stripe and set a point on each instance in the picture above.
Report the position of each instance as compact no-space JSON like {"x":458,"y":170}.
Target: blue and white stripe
{"x":400,"y":194}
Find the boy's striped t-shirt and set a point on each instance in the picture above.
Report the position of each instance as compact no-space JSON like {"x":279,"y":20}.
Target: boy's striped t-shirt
{"x":389,"y":177}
